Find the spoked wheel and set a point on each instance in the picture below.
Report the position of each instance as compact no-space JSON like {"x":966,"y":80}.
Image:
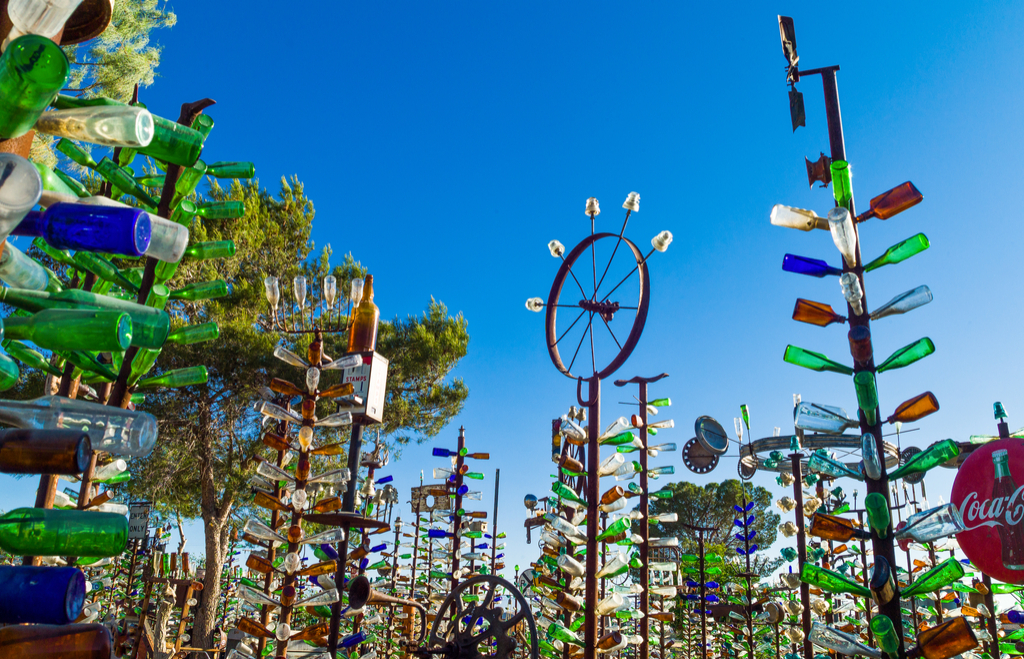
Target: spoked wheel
{"x":487,"y":627}
{"x":604,"y":305}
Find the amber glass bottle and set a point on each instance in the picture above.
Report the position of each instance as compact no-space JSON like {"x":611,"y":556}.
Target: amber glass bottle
{"x":44,"y":451}
{"x":363,"y":335}
{"x":53,"y":641}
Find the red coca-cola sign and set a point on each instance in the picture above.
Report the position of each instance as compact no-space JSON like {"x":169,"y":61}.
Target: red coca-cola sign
{"x":989,"y":493}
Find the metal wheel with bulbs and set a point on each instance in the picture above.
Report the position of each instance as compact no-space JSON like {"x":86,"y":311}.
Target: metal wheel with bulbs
{"x":484,"y":628}
{"x":615,"y":297}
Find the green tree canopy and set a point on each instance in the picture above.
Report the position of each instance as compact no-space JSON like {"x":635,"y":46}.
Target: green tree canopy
{"x":209,"y":434}
{"x":711,"y":506}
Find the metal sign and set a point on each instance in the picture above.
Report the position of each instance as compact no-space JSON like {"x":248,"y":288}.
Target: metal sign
{"x":437,"y":501}
{"x":138,"y":521}
{"x":369,"y":381}
{"x":991,"y":505}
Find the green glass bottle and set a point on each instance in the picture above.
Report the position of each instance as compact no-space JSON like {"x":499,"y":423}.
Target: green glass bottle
{"x":878,"y":513}
{"x":223,"y":169}
{"x":71,"y":182}
{"x":73,"y":329}
{"x":190,"y":334}
{"x":566,"y":492}
{"x":217,"y":249}
{"x":30,"y":357}
{"x":104,"y":269}
{"x":144,"y":360}
{"x":122,"y":179}
{"x":814,"y":361}
{"x":823,"y":464}
{"x":867,"y":395}
{"x":933,"y":456}
{"x":221,"y":210}
{"x":618,"y":440}
{"x":474,"y":475}
{"x":618,"y":526}
{"x":940,"y":576}
{"x":900,"y":252}
{"x":206,"y":290}
{"x":89,"y":363}
{"x":907,"y":355}
{"x":149,"y":326}
{"x":187,"y":181}
{"x":885,"y":634}
{"x":179,"y":377}
{"x":52,"y":181}
{"x":32,"y":70}
{"x":43,"y":532}
{"x":842,"y":186}
{"x":830,"y":581}
{"x":61,"y":256}
{"x":76,"y":153}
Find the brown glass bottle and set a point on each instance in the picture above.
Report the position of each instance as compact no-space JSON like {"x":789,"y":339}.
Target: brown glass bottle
{"x":327,"y":505}
{"x":609,"y":641}
{"x":53,"y":641}
{"x":612,"y":495}
{"x":666,"y":616}
{"x":276,"y":442}
{"x":63,"y":452}
{"x":363,"y":335}
{"x":281,"y":386}
{"x":947,"y":640}
{"x":569,"y":463}
{"x":835,"y":528}
{"x":568,"y":602}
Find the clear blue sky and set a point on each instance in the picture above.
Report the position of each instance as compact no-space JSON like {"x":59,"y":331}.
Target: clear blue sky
{"x":444,"y":144}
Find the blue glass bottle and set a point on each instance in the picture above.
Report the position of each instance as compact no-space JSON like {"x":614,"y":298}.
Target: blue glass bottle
{"x":113,"y":229}
{"x":352,"y":640}
{"x":805,"y":266}
{"x":41,"y":595}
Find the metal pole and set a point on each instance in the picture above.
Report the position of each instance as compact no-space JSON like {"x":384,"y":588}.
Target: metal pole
{"x":494,"y":526}
{"x":801,"y":544}
{"x":457,"y":524}
{"x":593,"y":461}
{"x":347,"y":505}
{"x":645,"y":533}
{"x":883,"y":547}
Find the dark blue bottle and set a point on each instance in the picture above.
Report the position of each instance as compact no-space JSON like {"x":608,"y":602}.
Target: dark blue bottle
{"x":41,"y":595}
{"x":352,"y":640}
{"x":113,"y":229}
{"x":805,"y":266}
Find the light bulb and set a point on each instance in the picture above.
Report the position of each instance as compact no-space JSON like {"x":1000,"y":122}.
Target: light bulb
{"x":356,"y":294}
{"x":593,"y":208}
{"x":273,"y":291}
{"x":632,"y":202}
{"x":299,"y":288}
{"x":312,"y":379}
{"x":535,"y":304}
{"x":556,"y":248}
{"x":283,"y":632}
{"x":305,"y":437}
{"x":661,"y":241}
{"x":330,"y":290}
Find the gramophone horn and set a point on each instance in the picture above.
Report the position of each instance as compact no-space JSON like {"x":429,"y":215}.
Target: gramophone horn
{"x":360,"y":593}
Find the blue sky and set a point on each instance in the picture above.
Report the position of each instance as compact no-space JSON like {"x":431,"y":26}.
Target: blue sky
{"x":444,"y":144}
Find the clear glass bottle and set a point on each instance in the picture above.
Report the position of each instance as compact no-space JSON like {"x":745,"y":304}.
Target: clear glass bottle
{"x":111,"y":429}
{"x":110,"y":125}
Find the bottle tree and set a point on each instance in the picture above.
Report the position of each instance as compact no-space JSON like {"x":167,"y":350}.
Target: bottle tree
{"x":843,"y":223}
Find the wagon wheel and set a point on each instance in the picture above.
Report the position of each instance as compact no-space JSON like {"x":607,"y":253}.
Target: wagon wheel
{"x":484,"y":628}
{"x":606,"y":309}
